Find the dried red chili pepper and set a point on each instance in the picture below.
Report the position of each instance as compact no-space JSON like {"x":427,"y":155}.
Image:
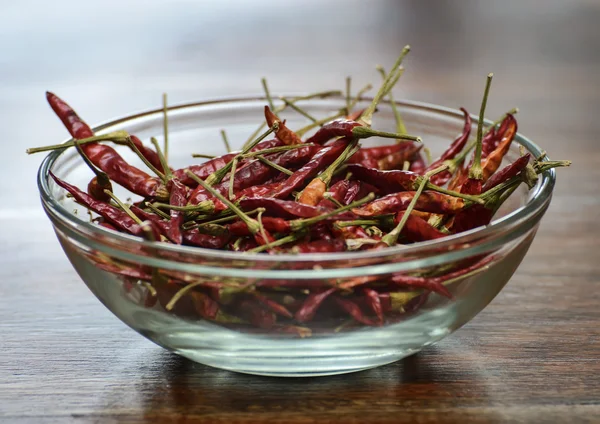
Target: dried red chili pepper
{"x":256,"y":314}
{"x":147,"y":152}
{"x":320,"y":246}
{"x":353,"y":130}
{"x":178,"y":197}
{"x":286,"y":135}
{"x":353,"y":310}
{"x":311,"y":304}
{"x":506,"y":173}
{"x":417,"y":229}
{"x":417,"y":164}
{"x":374,"y":302}
{"x":395,"y":202}
{"x":281,"y":208}
{"x":105,"y":157}
{"x":194,"y":237}
{"x":273,"y":305}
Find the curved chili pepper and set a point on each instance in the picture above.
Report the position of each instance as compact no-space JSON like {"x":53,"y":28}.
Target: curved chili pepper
{"x":337,"y":192}
{"x":311,"y":304}
{"x":280,"y":208}
{"x":417,"y":229}
{"x":423,"y":283}
{"x":194,"y":237}
{"x":374,"y":302}
{"x":105,"y":157}
{"x":322,"y":159}
{"x":333,"y":129}
{"x":206,"y":307}
{"x":320,"y":246}
{"x":492,"y":138}
{"x":395,"y":202}
{"x":115,"y":216}
{"x":492,"y":162}
{"x":506,"y":173}
{"x":256,"y":314}
{"x":203,"y":170}
{"x":283,"y":133}
{"x":147,"y":152}
{"x":417,"y":164}
{"x":257,"y":190}
{"x":161,"y":224}
{"x":321,"y":232}
{"x":276,"y":225}
{"x":273,"y":305}
{"x":178,"y":197}
{"x":353,"y":310}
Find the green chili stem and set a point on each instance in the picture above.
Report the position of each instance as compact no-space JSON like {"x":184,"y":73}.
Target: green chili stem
{"x":220,"y":220}
{"x":124,"y":207}
{"x":299,"y":110}
{"x":103,"y":178}
{"x":276,"y":243}
{"x":400,"y":127}
{"x":277,"y":149}
{"x":333,"y":200}
{"x":157,"y":211}
{"x":348,"y":94}
{"x":226,"y":141}
{"x":162,"y":158}
{"x":273,"y":165}
{"x":366,"y":132}
{"x":165,"y":128}
{"x":476,"y":172}
{"x":118,"y":137}
{"x":263,"y":81}
{"x":202,"y":155}
{"x":232,"y":178}
{"x":513,"y":111}
{"x":205,"y":206}
{"x":356,"y":222}
{"x":133,"y":147}
{"x":299,"y":224}
{"x":252,"y":224}
{"x":181,"y":293}
{"x":367,"y":116}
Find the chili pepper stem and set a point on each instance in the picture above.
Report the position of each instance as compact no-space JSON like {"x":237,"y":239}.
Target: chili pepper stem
{"x":277,"y":243}
{"x":299,"y":109}
{"x":366,"y":132}
{"x":252,"y":224}
{"x":348,"y":94}
{"x":162,"y":158}
{"x":400,"y":127}
{"x":206,"y":206}
{"x":476,"y":172}
{"x":232,"y":178}
{"x":103,"y":178}
{"x":469,"y":197}
{"x":225,"y":141}
{"x":118,"y":137}
{"x":145,"y":160}
{"x":202,"y":155}
{"x":123,"y":206}
{"x":265,"y":86}
{"x":356,"y":222}
{"x":273,"y":165}
{"x":277,"y":149}
{"x":165,"y":128}
{"x":367,"y":116}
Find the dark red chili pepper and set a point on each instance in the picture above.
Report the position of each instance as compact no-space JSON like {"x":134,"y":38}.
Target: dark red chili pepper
{"x":337,"y":128}
{"x":242,"y":244}
{"x":286,"y":135}
{"x":386,"y":181}
{"x":424,"y":283}
{"x":194,"y":237}
{"x":107,"y":225}
{"x":275,"y":225}
{"x":311,"y":304}
{"x":396,"y":160}
{"x":492,"y":162}
{"x":322,"y":159}
{"x":338,"y":192}
{"x":115,"y":216}
{"x":358,"y":190}
{"x":206,"y":307}
{"x":178,"y":197}
{"x":105,"y":157}
{"x":457,"y":145}
{"x":256,"y":314}
{"x":273,"y":305}
{"x":161,"y":224}
{"x":353,"y":310}
{"x":320,"y":246}
{"x":374,"y":302}
{"x":506,"y":173}
{"x":136,"y":273}
{"x":492,"y":138}
{"x":281,"y":208}
{"x":321,"y":231}
{"x":417,"y":229}
{"x":203,"y":170}
{"x":417,"y":165}
{"x":257,"y":191}
{"x":395,"y":202}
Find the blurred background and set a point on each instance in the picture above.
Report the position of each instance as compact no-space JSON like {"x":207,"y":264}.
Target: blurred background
{"x":109,"y":58}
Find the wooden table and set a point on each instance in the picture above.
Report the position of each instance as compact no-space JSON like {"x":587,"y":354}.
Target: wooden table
{"x":531,"y":356}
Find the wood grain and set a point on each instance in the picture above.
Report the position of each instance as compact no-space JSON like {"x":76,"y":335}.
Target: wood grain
{"x":533,"y":355}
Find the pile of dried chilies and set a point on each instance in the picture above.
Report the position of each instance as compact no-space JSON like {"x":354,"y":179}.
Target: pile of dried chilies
{"x":286,"y":193}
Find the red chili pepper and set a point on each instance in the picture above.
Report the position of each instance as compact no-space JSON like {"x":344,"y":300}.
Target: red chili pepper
{"x":385,"y":157}
{"x":115,"y":216}
{"x":337,"y":191}
{"x":506,"y":173}
{"x":333,"y":129}
{"x":320,"y":246}
{"x":256,"y":314}
{"x":105,"y":157}
{"x":492,"y":162}
{"x":286,"y":135}
{"x":273,"y":305}
{"x":423,"y":283}
{"x":396,"y":160}
{"x":353,"y":310}
{"x":417,"y":229}
{"x":492,"y":138}
{"x":206,"y":307}
{"x":311,"y":304}
{"x":417,"y":165}
{"x":281,"y":208}
{"x":203,"y":170}
{"x":275,"y":225}
{"x":322,"y":159}
{"x":163,"y":226}
{"x":194,"y":237}
{"x":395,"y":202}
{"x":358,"y":190}
{"x":257,"y":191}
{"x":321,"y":232}
{"x":374,"y":302}
{"x":178,"y":197}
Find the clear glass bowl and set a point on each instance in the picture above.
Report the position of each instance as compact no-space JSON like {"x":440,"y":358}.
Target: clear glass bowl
{"x":334,"y":343}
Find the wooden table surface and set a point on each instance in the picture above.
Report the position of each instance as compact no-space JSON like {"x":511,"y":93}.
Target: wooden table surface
{"x":533,"y":355}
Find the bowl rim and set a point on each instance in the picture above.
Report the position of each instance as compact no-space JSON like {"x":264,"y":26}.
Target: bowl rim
{"x":536,"y":204}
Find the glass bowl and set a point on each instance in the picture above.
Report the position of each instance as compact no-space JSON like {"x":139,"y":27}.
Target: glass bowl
{"x":117,"y":268}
